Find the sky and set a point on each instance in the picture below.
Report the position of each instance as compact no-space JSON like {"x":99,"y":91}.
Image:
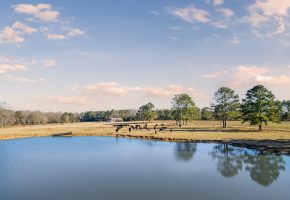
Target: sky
{"x":78,"y":55}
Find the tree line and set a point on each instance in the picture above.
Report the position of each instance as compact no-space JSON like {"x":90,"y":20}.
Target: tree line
{"x":258,"y":108}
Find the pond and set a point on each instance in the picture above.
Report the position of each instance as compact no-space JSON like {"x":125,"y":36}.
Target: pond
{"x":104,"y":168}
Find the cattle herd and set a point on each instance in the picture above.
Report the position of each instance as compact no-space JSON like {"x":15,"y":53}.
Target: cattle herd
{"x":136,"y":127}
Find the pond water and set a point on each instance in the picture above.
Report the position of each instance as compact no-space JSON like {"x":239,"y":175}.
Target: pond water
{"x":103,"y":168}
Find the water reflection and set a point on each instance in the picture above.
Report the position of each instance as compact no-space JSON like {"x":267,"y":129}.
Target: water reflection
{"x":229,"y":160}
{"x":185,"y":151}
{"x":264,"y":168}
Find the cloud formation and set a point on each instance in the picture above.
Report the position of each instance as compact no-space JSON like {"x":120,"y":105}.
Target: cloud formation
{"x":191,"y":14}
{"x":245,"y":76}
{"x":21,"y":79}
{"x":215,"y":74}
{"x":115,"y":89}
{"x":5,"y":68}
{"x":14,"y":33}
{"x":226,"y":12}
{"x":235,"y":40}
{"x":52,"y":36}
{"x":218,"y":2}
{"x":44,"y":12}
{"x":68,"y":100}
{"x":268,"y":11}
{"x":48,"y":63}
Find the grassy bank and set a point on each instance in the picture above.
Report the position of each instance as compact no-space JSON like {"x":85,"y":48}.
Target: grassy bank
{"x":197,"y":130}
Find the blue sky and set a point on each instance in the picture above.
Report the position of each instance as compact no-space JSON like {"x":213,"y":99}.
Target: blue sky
{"x":101,"y":54}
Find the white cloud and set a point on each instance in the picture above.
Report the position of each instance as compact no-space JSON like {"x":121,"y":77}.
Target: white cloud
{"x":9,"y":35}
{"x":72,"y":32}
{"x":281,"y":27}
{"x":14,"y":33}
{"x":271,"y":7}
{"x":44,"y":12}
{"x":21,"y":79}
{"x":171,"y":90}
{"x":218,"y":2}
{"x":268,"y":12}
{"x":23,"y":28}
{"x":75,"y":32}
{"x":6,"y":59}
{"x":191,"y":13}
{"x":235,"y":40}
{"x":51,"y":36}
{"x":226,"y":12}
{"x":156,"y":13}
{"x":215,"y":74}
{"x":5,"y":68}
{"x":68,"y":100}
{"x":255,"y":19}
{"x":271,"y":80}
{"x":244,"y":76}
{"x":48,"y":63}
{"x":111,"y":88}
{"x":114,"y":89}
{"x":220,"y":24}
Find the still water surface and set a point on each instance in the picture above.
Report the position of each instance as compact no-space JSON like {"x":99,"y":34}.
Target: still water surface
{"x":102,"y":168}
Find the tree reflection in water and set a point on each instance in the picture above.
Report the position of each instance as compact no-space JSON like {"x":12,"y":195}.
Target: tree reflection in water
{"x":264,"y":168}
{"x":185,"y":151}
{"x":229,"y":160}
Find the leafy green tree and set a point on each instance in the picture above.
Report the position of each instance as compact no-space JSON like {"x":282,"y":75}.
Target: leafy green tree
{"x":226,"y":105}
{"x":147,"y":112}
{"x":206,"y":113}
{"x":19,"y":117}
{"x":164,"y":114}
{"x":285,"y":110}
{"x":259,"y":107}
{"x":67,"y":118}
{"x":184,"y":108}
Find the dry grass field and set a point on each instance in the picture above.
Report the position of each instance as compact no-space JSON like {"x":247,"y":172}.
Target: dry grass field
{"x":196,"y":130}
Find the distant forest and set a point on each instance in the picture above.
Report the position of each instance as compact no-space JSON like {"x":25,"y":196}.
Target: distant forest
{"x":258,"y":107}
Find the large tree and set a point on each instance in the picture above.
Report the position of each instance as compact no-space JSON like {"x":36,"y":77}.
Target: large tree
{"x":285,"y":110}
{"x":226,"y":105}
{"x":259,"y":107}
{"x":147,"y":112}
{"x":206,"y":113}
{"x":184,"y":108}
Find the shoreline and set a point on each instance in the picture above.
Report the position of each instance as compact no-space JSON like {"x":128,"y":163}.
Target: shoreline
{"x":267,"y":145}
{"x":275,"y":138}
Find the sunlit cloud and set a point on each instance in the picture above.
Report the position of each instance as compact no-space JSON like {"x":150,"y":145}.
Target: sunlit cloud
{"x":75,"y":32}
{"x":218,"y":2}
{"x":44,"y":12}
{"x":68,"y":100}
{"x":191,"y":14}
{"x":215,"y":74}
{"x":51,"y":36}
{"x":226,"y":12}
{"x":245,"y":76}
{"x":48,"y":63}
{"x":115,"y":89}
{"x":22,"y":79}
{"x":235,"y":40}
{"x":5,"y":68}
{"x":268,"y":12}
{"x":15,"y":33}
